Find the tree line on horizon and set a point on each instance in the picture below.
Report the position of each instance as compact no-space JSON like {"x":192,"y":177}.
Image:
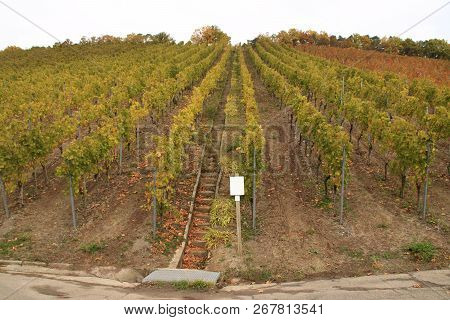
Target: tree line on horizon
{"x":432,"y":48}
{"x":204,"y":35}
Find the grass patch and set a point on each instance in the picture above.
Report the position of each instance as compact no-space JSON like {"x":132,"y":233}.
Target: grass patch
{"x":355,"y":254}
{"x":298,"y":275}
{"x":384,"y":255}
{"x":382,"y":225}
{"x":257,"y":275}
{"x":9,"y":246}
{"x":194,"y":285}
{"x":171,"y":245}
{"x":247,"y":229}
{"x":325,"y":203}
{"x":424,"y":251}
{"x":214,"y":237}
{"x":435,"y":221}
{"x":92,"y":247}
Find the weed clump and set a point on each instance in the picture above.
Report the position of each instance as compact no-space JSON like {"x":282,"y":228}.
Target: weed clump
{"x":424,"y":251}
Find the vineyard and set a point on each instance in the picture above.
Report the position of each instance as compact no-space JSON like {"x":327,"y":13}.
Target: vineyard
{"x":119,"y":152}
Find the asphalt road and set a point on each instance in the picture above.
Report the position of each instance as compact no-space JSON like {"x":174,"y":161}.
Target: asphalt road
{"x":39,"y":282}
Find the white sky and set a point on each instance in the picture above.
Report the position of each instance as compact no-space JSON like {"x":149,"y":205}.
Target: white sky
{"x":242,"y":20}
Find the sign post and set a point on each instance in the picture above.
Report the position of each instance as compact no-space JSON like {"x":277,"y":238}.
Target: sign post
{"x":237,"y":190}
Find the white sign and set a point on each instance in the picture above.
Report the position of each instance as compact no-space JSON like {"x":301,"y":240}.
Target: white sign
{"x":236,"y":186}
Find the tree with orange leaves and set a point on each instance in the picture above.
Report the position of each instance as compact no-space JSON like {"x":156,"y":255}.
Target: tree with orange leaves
{"x":209,"y":35}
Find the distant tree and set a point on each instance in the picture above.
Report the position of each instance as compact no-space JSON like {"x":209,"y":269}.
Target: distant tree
{"x":410,"y":48}
{"x":12,"y":49}
{"x":84,"y":40}
{"x":136,"y":38}
{"x":344,"y":42}
{"x":106,"y":39}
{"x":312,"y":36}
{"x":323,"y":39}
{"x":375,"y":43}
{"x":433,"y":48}
{"x":333,"y":41}
{"x":391,"y":44}
{"x":356,"y":40}
{"x":209,"y":35}
{"x":436,"y":48}
{"x":162,"y":37}
{"x":65,"y":43}
{"x":284,"y":38}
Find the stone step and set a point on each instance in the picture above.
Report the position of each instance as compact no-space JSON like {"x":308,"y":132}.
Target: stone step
{"x":201,"y":216}
{"x":201,"y":253}
{"x":204,"y":200}
{"x":212,"y":187}
{"x":209,"y":174}
{"x":199,"y":233}
{"x":212,"y":171}
{"x":204,"y":209}
{"x":209,"y":185}
{"x":201,"y":223}
{"x":209,"y":179}
{"x":207,"y":192}
{"x":199,"y":243}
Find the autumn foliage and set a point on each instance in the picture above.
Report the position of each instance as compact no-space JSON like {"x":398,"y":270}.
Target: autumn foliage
{"x":208,"y":35}
{"x":411,"y":67}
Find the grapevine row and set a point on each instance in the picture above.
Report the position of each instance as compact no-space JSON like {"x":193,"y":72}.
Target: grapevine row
{"x":170,"y":151}
{"x":331,"y":141}
{"x":395,"y":136}
{"x":253,"y":142}
{"x":86,"y":156}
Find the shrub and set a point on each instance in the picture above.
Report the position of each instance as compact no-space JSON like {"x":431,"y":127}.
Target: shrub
{"x":222,"y":212}
{"x":424,"y":251}
{"x":92,"y":247}
{"x":213,"y":237}
{"x":10,"y":245}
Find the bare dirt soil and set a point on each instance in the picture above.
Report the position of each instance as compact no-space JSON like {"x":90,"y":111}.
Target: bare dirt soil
{"x":298,"y":232}
{"x":114,"y":224}
{"x":299,"y":235}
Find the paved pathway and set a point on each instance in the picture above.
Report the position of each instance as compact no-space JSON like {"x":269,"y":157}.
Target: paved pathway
{"x":38,"y":282}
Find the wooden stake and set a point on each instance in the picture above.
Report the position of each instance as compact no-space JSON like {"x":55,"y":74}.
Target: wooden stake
{"x":238,"y":226}
{"x":72,"y":204}
{"x":120,"y":155}
{"x":4,"y":197}
{"x":154,"y":205}
{"x":425,"y":189}
{"x":341,"y":207}
{"x":137,"y":144}
{"x":254,"y":190}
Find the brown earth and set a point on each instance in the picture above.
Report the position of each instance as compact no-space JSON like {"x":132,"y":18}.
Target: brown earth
{"x":116,"y":216}
{"x":299,"y":235}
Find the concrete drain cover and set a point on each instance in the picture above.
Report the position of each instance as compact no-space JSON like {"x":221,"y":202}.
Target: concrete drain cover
{"x":190,"y":275}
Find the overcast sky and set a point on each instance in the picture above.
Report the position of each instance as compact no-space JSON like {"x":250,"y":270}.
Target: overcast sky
{"x":242,"y":20}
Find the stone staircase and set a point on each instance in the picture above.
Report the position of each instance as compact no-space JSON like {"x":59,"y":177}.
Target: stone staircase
{"x":196,"y":252}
